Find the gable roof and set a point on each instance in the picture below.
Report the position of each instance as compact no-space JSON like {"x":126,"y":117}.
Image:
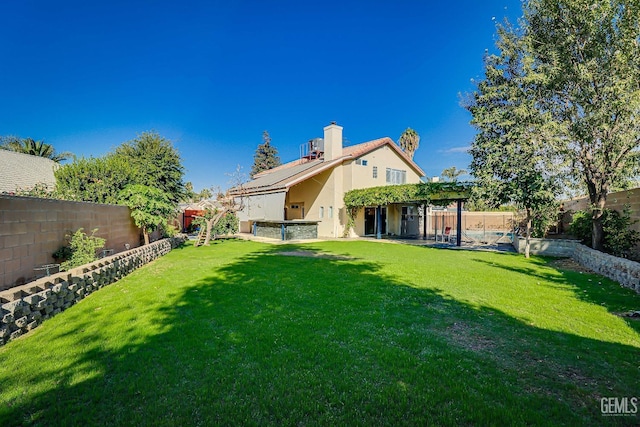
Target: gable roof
{"x":282,"y":177}
{"x":20,"y":171}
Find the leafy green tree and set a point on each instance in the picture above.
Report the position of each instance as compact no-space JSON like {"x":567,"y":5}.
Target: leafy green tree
{"x":452,"y":173}
{"x":94,"y":179}
{"x":150,"y":207}
{"x":512,"y":157}
{"x":588,"y":51}
{"x":266,"y":156}
{"x":155,"y":163}
{"x":34,"y":148}
{"x":409,"y":141}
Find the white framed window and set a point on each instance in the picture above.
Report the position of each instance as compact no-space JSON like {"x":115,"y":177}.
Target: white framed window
{"x":375,"y":172}
{"x":362,"y":162}
{"x":330,"y":211}
{"x":396,"y":176}
{"x":321,"y":214}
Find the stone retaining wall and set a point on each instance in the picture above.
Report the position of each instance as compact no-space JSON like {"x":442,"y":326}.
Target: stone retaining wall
{"x":623,"y":271}
{"x":23,"y":308}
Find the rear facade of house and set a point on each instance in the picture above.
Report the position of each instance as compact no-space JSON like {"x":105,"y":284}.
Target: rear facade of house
{"x":312,"y":188}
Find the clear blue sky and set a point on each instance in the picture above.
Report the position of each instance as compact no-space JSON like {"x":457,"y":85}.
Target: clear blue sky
{"x":211,"y":76}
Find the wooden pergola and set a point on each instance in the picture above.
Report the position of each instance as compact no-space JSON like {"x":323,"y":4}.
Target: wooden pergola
{"x":425,"y":193}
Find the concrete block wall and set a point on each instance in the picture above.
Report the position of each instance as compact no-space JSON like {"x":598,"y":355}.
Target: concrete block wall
{"x":615,"y":201}
{"x":32,"y":229}
{"x":547,"y":247}
{"x":25,"y":307}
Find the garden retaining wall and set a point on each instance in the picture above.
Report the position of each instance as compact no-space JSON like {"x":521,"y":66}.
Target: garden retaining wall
{"x":547,"y":247}
{"x":25,"y":307}
{"x":622,"y":270}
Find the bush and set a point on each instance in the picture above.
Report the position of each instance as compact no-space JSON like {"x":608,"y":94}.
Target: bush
{"x":83,"y":249}
{"x":228,"y":224}
{"x":619,"y":238}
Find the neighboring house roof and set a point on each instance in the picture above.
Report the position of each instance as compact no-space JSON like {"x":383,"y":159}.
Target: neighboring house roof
{"x":199,"y":205}
{"x":20,"y":171}
{"x":289,"y":174}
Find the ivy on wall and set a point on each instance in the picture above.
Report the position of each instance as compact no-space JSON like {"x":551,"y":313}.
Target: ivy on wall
{"x":437,"y":193}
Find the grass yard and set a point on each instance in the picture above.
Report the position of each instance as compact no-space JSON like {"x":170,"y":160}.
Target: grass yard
{"x":332,"y":333}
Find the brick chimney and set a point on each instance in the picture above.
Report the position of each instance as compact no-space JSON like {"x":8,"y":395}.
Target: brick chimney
{"x":332,"y":141}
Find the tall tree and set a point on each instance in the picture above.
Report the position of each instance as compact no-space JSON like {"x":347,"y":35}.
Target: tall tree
{"x":513,"y":159}
{"x":155,"y":163}
{"x":589,"y":52}
{"x":266,"y":156}
{"x":150,"y":207}
{"x":94,"y":179}
{"x":409,"y":141}
{"x":34,"y":148}
{"x":452,"y":173}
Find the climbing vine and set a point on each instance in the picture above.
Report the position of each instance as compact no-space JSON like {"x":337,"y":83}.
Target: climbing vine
{"x":438,"y":193}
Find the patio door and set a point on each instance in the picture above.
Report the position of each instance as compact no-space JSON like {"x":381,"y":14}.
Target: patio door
{"x":370,"y":221}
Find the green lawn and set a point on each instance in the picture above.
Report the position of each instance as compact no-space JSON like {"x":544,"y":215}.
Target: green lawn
{"x":370,"y":334}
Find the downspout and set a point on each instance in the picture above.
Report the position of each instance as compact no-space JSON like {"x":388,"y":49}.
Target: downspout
{"x":378,"y":219}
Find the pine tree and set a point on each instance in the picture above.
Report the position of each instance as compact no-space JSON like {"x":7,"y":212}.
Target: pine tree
{"x":266,"y":156}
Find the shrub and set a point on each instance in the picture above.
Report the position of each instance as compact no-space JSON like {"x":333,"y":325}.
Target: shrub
{"x":228,"y":224}
{"x":83,"y":248}
{"x":619,"y":238}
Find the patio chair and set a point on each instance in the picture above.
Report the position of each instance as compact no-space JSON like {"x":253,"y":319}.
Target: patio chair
{"x":445,"y":236}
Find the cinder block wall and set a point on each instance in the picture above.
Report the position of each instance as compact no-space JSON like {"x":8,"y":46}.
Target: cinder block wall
{"x":615,"y":201}
{"x":32,"y":229}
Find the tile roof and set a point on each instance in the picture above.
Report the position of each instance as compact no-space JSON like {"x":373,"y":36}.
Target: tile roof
{"x":284,"y":176}
{"x":20,"y":171}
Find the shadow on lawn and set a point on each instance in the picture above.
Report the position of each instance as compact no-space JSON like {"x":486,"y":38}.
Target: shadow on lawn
{"x":272,"y":339}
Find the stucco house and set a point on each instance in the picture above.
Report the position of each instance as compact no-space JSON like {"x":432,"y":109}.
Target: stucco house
{"x":22,"y":172}
{"x":312,"y":188}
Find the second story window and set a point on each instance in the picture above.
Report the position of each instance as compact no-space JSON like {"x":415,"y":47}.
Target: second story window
{"x":396,"y":176}
{"x":375,"y":171}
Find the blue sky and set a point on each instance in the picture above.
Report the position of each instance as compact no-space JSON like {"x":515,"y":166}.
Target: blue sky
{"x":211,"y":76}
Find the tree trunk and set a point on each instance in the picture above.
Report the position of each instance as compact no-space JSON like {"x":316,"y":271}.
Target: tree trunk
{"x":597,"y":233}
{"x":527,"y":236}
{"x":145,"y":233}
{"x":598,"y":200}
{"x":207,"y":238}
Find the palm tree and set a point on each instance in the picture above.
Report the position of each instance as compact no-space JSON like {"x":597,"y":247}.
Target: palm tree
{"x":409,"y":141}
{"x":452,"y":173}
{"x":34,"y":148}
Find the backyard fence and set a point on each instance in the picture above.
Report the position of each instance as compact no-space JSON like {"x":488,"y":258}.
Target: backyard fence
{"x":32,"y":229}
{"x":478,"y":228}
